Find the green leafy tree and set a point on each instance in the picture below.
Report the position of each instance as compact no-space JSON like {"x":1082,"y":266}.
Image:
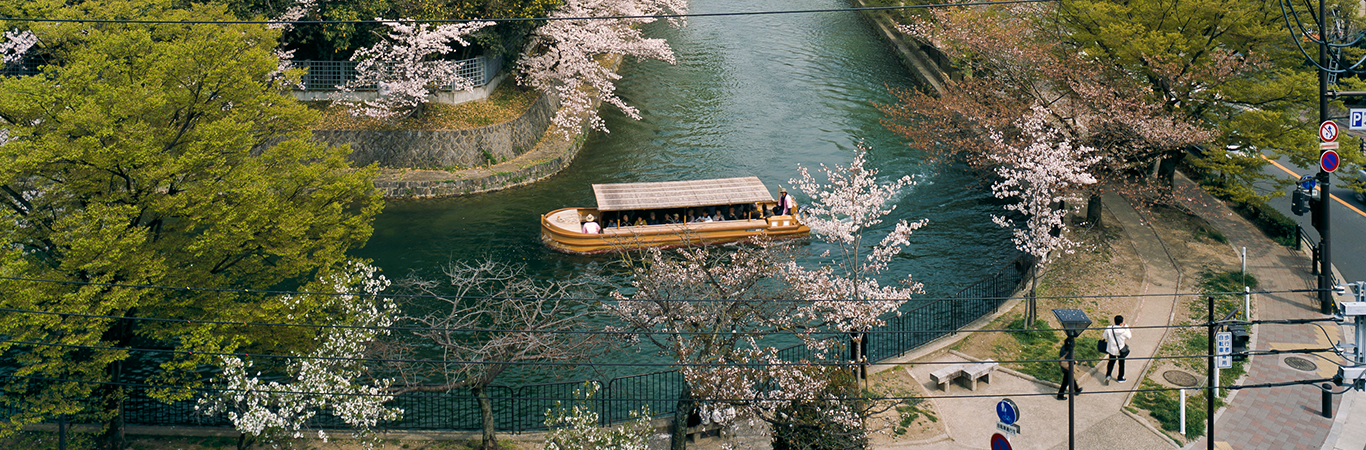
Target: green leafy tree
{"x":157,"y":154}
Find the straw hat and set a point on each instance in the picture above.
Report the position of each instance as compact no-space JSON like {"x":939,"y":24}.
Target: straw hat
{"x":782,"y":190}
{"x":590,"y":218}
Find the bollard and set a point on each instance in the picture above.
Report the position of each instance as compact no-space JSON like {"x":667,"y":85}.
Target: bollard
{"x":1327,"y":400}
{"x":1183,"y":412}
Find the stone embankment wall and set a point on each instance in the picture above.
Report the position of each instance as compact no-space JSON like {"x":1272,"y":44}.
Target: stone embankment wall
{"x":930,"y":67}
{"x":446,"y":149}
{"x":547,"y":151}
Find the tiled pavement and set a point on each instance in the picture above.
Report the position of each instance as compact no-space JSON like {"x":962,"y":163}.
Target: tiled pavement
{"x":1279,"y":417}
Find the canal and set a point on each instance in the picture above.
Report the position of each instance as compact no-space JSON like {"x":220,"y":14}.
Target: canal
{"x":750,"y":95}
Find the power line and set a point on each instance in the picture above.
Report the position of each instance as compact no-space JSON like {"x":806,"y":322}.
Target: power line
{"x":703,"y":399}
{"x":453,"y":297}
{"x":826,"y":363}
{"x":595,"y":332}
{"x":524,"y":19}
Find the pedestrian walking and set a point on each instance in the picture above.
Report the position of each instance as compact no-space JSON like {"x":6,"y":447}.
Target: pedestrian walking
{"x":1117,"y":347}
{"x":1065,"y":356}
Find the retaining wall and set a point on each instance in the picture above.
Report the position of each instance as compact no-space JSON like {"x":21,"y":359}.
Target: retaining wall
{"x":446,"y":149}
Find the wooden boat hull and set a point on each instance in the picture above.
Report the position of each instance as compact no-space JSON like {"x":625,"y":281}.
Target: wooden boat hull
{"x":561,"y":230}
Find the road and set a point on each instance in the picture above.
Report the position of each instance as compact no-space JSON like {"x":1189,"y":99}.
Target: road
{"x":1346,"y":217}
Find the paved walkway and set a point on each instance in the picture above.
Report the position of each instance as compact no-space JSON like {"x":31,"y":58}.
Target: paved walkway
{"x":1263,"y":418}
{"x":1099,"y":415}
{"x":1280,"y":417}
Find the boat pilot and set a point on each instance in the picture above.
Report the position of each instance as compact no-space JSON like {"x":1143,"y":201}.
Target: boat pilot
{"x":786,"y":204}
{"x":591,"y":227}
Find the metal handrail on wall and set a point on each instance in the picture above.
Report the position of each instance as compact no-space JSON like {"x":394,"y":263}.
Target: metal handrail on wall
{"x":331,"y":75}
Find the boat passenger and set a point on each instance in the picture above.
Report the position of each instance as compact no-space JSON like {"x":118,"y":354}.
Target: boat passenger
{"x":591,"y":227}
{"x":786,"y":204}
{"x":730,"y":214}
{"x":653,"y":220}
{"x":718,"y":216}
{"x":640,"y":221}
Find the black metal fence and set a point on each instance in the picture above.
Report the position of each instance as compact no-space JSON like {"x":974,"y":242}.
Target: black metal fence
{"x":320,"y":75}
{"x":523,"y":408}
{"x":330,"y":75}
{"x":929,"y":321}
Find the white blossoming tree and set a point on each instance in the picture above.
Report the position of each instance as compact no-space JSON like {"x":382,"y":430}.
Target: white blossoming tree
{"x":481,"y":337}
{"x":16,"y":43}
{"x":329,"y":378}
{"x":714,"y":311}
{"x":562,"y":56}
{"x":406,"y":68}
{"x":1041,"y":171}
{"x":575,"y":426}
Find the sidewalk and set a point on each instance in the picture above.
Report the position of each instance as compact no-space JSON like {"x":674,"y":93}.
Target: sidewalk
{"x":1263,"y":418}
{"x":1279,"y":417}
{"x":1099,"y":417}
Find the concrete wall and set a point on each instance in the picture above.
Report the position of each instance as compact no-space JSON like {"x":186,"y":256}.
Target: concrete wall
{"x":447,"y":149}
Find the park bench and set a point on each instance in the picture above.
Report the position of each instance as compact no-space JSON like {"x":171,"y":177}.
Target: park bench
{"x":977,"y":371}
{"x":945,"y":375}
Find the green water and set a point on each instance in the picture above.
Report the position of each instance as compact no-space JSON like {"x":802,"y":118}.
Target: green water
{"x":750,"y":95}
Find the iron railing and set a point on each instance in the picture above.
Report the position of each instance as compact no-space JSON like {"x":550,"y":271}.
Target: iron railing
{"x":320,"y":75}
{"x":330,"y":75}
{"x":523,"y":408}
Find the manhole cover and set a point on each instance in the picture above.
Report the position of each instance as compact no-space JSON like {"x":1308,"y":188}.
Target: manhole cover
{"x":1299,"y":363}
{"x":1179,"y":378}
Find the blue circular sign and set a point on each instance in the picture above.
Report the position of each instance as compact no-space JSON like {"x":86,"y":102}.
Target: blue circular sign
{"x":1329,"y":161}
{"x":1007,"y":411}
{"x":999,"y":442}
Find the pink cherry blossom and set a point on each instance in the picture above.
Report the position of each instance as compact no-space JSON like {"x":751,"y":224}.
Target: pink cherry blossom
{"x":564,"y":56}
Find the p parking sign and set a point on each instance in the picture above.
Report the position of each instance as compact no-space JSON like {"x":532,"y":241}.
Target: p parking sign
{"x":1358,"y":119}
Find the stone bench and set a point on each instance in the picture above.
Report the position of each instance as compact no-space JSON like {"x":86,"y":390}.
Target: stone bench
{"x":977,"y":371}
{"x":945,"y":375}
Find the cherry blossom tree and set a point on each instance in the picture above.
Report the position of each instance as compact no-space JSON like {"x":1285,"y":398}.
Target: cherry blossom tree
{"x":575,"y":426}
{"x":331,"y":377}
{"x":563,"y":56}
{"x":405,"y":67}
{"x":1011,"y":62}
{"x":529,"y":321}
{"x":714,"y":312}
{"x":17,"y":42}
{"x":1040,"y":174}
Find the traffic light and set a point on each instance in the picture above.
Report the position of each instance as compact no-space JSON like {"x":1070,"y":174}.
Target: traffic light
{"x":1298,"y":203}
{"x":1240,"y":340}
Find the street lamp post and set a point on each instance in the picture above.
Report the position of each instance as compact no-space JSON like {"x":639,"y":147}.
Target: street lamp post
{"x":1074,"y":321}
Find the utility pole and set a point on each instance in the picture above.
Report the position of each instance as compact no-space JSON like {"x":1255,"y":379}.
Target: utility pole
{"x":1354,"y":376}
{"x":1209,"y":382}
{"x":1325,"y":258}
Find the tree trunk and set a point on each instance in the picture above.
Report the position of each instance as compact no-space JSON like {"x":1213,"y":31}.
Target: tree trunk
{"x":122,"y":336}
{"x":679,"y":440}
{"x":1093,"y":204}
{"x":486,"y":412}
{"x":1166,"y":169}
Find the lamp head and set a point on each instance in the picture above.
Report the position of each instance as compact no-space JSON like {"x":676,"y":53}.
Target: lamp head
{"x":1074,"y":321}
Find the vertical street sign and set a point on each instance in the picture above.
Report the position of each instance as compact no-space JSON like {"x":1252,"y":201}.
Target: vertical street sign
{"x":1328,"y":131}
{"x":1008,"y":412}
{"x":1329,"y":161}
{"x":1358,"y":121}
{"x":1223,"y":350}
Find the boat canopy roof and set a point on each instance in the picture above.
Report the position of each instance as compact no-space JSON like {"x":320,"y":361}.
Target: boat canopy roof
{"x":680,"y":194}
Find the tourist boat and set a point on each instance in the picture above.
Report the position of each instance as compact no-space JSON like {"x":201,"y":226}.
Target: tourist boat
{"x":621,"y":203}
